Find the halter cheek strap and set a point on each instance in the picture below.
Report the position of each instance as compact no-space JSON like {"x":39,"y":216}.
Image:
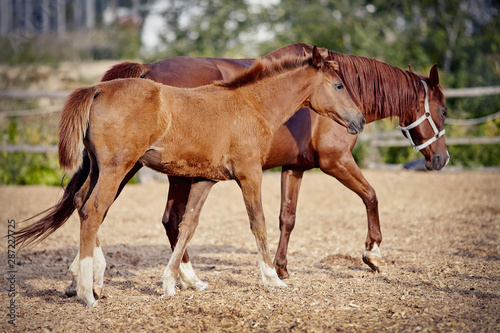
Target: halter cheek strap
{"x":425,"y":116}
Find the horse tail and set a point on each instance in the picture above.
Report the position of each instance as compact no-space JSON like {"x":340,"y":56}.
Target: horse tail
{"x":126,"y":70}
{"x":57,"y":215}
{"x":73,"y":126}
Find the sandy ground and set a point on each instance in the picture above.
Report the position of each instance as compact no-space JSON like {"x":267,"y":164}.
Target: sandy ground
{"x":440,"y":272}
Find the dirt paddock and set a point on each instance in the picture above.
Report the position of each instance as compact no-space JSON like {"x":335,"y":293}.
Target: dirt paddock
{"x":440,"y":272}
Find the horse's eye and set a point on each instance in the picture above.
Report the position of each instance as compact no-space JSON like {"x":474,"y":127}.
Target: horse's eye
{"x":338,"y":86}
{"x":445,"y":112}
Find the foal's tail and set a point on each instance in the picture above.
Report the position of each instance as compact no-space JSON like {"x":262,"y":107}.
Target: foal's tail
{"x":125,"y":70}
{"x":73,"y":126}
{"x":58,"y":214}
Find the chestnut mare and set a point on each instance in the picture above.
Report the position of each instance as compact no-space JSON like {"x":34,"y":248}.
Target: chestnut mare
{"x":212,"y":133}
{"x":307,"y":141}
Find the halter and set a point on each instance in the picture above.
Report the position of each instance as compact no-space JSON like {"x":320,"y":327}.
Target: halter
{"x":425,"y":116}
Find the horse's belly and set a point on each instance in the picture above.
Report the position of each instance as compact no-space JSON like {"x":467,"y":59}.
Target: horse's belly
{"x":185,"y":167}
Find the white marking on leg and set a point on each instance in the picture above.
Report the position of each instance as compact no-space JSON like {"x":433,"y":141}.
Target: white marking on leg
{"x":99,"y":267}
{"x":85,"y":279}
{"x":375,"y":251}
{"x":168,"y":282}
{"x":73,"y":269}
{"x":189,"y":279}
{"x":269,"y":275}
{"x":75,"y":266}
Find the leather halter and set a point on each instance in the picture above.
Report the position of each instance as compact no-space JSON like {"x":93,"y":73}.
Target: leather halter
{"x":425,"y":116}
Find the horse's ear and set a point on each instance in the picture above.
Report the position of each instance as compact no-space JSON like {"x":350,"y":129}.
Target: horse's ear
{"x":304,"y":52}
{"x":434,"y":76}
{"x":410,"y":69}
{"x":317,"y":59}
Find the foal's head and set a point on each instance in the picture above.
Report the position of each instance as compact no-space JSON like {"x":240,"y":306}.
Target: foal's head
{"x":330,"y":97}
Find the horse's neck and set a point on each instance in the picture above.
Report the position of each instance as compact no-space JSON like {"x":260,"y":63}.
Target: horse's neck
{"x":280,"y":97}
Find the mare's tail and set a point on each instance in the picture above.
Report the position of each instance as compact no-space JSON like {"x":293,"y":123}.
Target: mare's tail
{"x":72,"y":128}
{"x":126,"y":70}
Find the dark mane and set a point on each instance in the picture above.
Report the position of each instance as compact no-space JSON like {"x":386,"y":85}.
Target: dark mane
{"x":386,"y":91}
{"x":263,"y":68}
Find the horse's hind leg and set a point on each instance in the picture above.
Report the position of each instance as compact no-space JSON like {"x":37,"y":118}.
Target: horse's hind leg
{"x":99,"y":268}
{"x":178,"y":194}
{"x":251,"y":188}
{"x":290,"y":186}
{"x":80,"y":199}
{"x":198,"y":195}
{"x":100,"y":265}
{"x":98,"y":271}
{"x":95,"y":209}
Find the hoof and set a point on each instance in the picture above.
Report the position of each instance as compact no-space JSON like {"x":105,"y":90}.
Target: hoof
{"x":168,"y":288}
{"x":373,"y":258}
{"x":274,"y":282}
{"x":282,"y":272}
{"x":188,"y":278}
{"x":97,"y":291}
{"x":70,"y":290}
{"x":89,"y":301}
{"x":198,"y":285}
{"x":168,"y":292}
{"x":92,"y":305}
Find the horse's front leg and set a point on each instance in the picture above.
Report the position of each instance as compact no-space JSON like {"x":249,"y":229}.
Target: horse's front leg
{"x":290,"y":186}
{"x":347,"y":172}
{"x":197,"y":197}
{"x":251,"y":187}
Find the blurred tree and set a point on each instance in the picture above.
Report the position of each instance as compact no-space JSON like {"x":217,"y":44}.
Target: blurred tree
{"x":207,"y":28}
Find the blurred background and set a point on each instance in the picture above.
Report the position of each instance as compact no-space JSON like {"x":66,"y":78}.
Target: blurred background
{"x":49,"y":47}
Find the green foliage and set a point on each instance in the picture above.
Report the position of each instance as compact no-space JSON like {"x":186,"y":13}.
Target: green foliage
{"x":475,"y":155}
{"x":26,"y":169}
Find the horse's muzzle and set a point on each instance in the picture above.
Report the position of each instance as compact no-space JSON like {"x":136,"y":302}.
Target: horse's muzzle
{"x":438,"y":162}
{"x":357,"y":126}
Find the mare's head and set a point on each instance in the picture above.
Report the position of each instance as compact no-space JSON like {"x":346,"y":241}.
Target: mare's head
{"x":426,"y":130}
{"x":330,"y":97}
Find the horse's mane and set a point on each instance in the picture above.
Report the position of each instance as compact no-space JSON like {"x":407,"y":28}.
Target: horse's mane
{"x":384,"y":90}
{"x":263,"y":68}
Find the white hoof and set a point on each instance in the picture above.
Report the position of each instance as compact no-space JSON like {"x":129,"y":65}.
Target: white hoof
{"x":189,"y":279}
{"x":373,"y":258}
{"x":168,"y":283}
{"x":89,"y":301}
{"x":275,"y":282}
{"x":270,"y":277}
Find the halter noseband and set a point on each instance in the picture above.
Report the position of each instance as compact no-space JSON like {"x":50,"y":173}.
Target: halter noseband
{"x":425,"y":116}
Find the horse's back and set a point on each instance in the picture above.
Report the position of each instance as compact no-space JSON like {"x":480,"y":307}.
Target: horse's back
{"x":184,"y":72}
